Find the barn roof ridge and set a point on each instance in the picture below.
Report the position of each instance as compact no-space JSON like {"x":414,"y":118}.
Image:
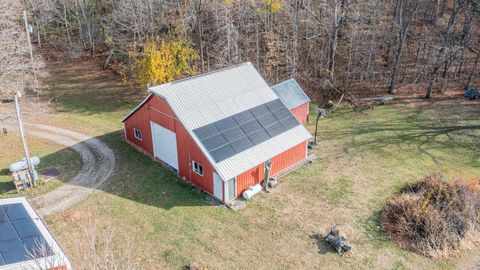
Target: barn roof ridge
{"x":204,"y":74}
{"x":210,"y":97}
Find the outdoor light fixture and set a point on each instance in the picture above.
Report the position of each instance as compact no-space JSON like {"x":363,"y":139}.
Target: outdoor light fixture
{"x":321,"y":113}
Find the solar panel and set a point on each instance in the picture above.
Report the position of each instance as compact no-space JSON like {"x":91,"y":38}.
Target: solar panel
{"x":225,"y":123}
{"x":16,"y":211}
{"x":223,"y":153}
{"x":282,"y":114}
{"x":289,"y":123}
{"x":267,"y":120}
{"x":233,"y":134}
{"x":250,"y":126}
{"x":275,"y":129}
{"x":7,"y":232}
{"x":206,"y":131}
{"x":258,"y":136}
{"x":259,"y":111}
{"x":214,"y":142}
{"x":3,"y":215}
{"x":25,"y":228}
{"x":20,"y":237}
{"x":13,"y":251}
{"x":237,"y":133}
{"x":275,"y":105}
{"x":241,"y":144}
{"x":34,"y":243}
{"x":243,"y":117}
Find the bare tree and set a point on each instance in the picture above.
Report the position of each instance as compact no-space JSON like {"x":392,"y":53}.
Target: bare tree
{"x":444,"y":48}
{"x":404,"y":20}
{"x":339,"y":12}
{"x":345,"y":44}
{"x":17,"y":70}
{"x":99,"y":247}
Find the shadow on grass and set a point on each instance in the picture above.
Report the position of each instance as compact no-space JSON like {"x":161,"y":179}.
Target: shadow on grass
{"x":372,"y":228}
{"x":446,"y":130}
{"x":137,"y":177}
{"x":82,"y":87}
{"x":322,"y":245}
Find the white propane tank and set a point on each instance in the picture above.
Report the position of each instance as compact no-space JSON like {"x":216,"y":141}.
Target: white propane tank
{"x":23,"y":165}
{"x":251,"y":191}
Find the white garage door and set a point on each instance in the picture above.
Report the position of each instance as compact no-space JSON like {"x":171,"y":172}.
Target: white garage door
{"x":165,"y":145}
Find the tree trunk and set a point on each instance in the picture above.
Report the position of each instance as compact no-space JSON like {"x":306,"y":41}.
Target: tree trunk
{"x":333,"y":41}
{"x":457,"y":6}
{"x":296,"y":21}
{"x":404,"y":24}
{"x":474,"y":68}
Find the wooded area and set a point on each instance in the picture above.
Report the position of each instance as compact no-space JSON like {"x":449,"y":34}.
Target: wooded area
{"x":329,"y":46}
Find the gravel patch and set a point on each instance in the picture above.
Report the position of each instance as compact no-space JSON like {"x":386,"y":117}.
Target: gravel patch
{"x":98,"y":165}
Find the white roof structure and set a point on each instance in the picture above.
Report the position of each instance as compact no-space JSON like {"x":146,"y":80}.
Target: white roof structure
{"x":20,"y":231}
{"x":207,"y":98}
{"x":290,"y":93}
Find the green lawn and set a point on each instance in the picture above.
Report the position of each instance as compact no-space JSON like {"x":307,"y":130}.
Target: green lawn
{"x":51,"y":156}
{"x":364,"y":158}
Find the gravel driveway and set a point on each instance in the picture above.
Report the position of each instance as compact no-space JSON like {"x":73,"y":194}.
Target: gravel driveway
{"x":98,"y":165}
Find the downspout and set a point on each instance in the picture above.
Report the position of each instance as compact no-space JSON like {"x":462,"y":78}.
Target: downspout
{"x":268,"y":167}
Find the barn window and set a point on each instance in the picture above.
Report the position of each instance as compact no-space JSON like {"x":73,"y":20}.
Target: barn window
{"x":138,"y":134}
{"x":197,"y":168}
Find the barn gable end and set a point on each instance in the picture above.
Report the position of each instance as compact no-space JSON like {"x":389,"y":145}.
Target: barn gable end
{"x":220,"y":127}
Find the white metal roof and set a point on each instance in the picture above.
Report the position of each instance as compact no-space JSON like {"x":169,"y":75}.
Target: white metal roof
{"x":56,"y":259}
{"x":291,"y":94}
{"x":207,"y":98}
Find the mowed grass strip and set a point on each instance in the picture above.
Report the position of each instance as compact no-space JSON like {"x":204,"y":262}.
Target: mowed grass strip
{"x":364,"y":158}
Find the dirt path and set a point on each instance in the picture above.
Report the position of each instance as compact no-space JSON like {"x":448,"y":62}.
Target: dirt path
{"x":98,"y":165}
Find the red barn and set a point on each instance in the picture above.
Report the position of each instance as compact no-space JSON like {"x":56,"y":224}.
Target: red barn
{"x":217,"y":130}
{"x":292,"y":95}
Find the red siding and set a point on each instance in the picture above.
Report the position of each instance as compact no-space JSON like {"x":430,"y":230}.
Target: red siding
{"x":158,"y":111}
{"x":63,"y":267}
{"x":301,"y":112}
{"x":279,"y":162}
{"x":249,"y":178}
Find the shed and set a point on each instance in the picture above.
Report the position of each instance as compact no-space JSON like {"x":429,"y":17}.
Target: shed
{"x":294,"y":97}
{"x":25,"y":241}
{"x":217,"y":130}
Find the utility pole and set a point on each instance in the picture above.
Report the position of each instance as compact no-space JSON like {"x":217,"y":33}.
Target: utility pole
{"x":31,"y":168}
{"x":30,"y":47}
{"x":28,"y":34}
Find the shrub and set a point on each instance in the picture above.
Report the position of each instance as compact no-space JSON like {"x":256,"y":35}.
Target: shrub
{"x":434,"y":217}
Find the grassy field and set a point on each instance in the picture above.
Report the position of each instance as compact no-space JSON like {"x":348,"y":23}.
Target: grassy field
{"x":51,"y":156}
{"x":364,"y":158}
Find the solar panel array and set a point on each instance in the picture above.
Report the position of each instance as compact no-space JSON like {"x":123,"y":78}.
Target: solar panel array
{"x":237,"y":133}
{"x":20,"y":237}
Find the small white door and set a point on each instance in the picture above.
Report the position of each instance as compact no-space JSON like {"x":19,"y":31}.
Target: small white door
{"x":232,"y":189}
{"x":164,"y":145}
{"x":217,"y":186}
